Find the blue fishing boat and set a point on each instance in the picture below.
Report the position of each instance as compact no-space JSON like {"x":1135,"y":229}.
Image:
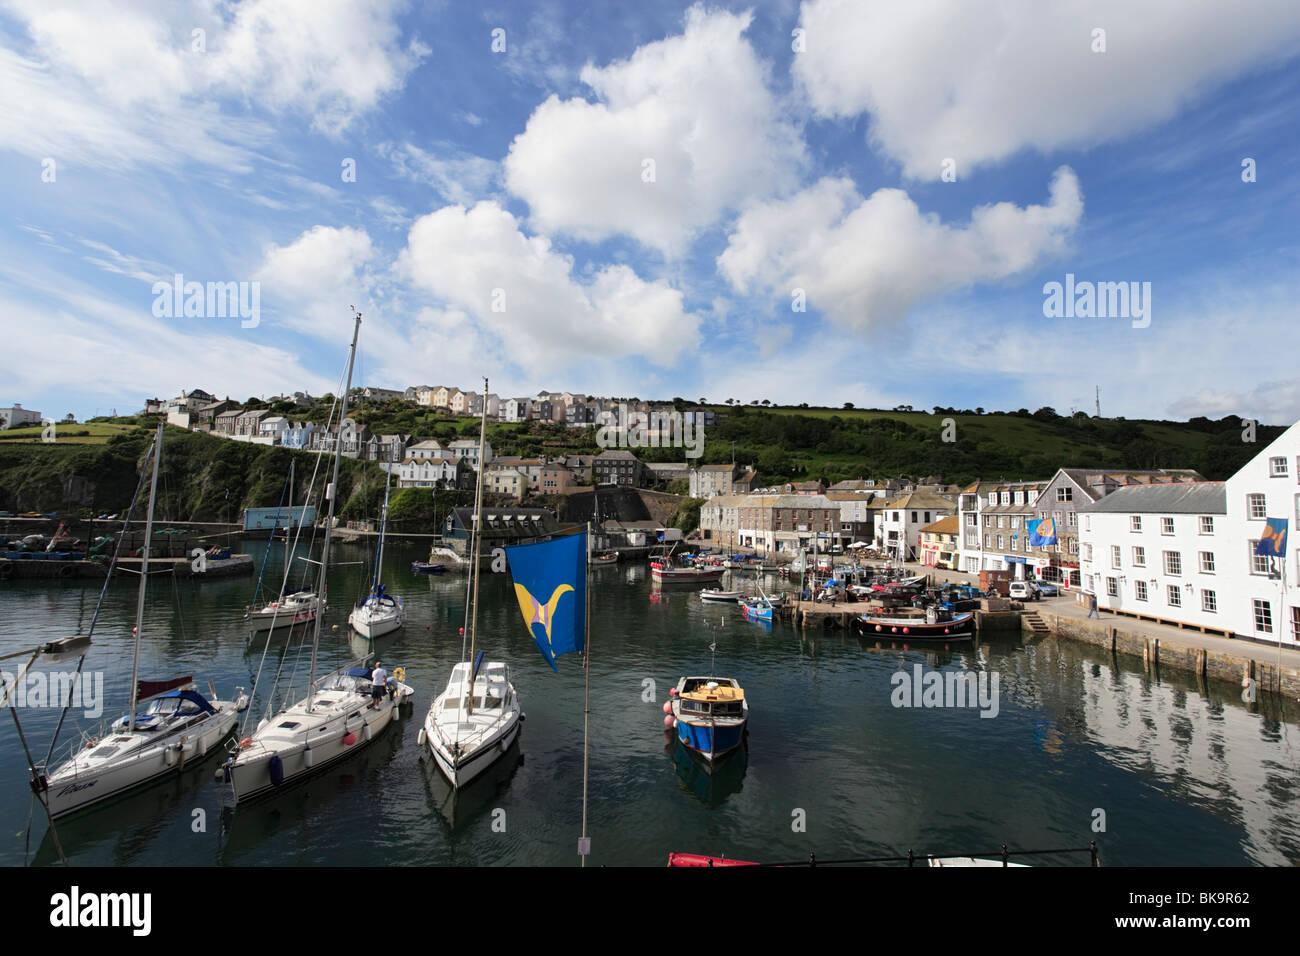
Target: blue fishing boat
{"x":756,"y":609}
{"x":709,"y":715}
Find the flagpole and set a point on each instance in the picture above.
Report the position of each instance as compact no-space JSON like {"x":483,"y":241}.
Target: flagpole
{"x":583,"y":844}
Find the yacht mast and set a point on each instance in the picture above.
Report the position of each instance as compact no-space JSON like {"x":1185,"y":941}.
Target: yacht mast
{"x":478,"y":536}
{"x":144,"y":579}
{"x":333,"y":491}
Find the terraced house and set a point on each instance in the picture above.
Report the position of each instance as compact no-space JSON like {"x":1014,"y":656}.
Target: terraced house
{"x":993,"y":518}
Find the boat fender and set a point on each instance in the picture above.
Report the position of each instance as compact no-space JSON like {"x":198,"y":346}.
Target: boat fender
{"x":421,"y":737}
{"x":905,"y":630}
{"x":307,"y":758}
{"x":668,"y":720}
{"x":365,"y":732}
{"x":349,"y":739}
{"x":668,"y":707}
{"x":276,"y":767}
{"x":169,"y":755}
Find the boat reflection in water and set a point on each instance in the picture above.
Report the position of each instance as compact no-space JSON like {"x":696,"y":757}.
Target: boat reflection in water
{"x":712,"y":784}
{"x":460,"y":806}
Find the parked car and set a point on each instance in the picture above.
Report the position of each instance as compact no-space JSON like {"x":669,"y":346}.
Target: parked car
{"x":1047,"y":589}
{"x":1022,"y":591}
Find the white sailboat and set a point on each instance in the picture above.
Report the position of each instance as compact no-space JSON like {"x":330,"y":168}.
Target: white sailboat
{"x":178,"y":726}
{"x":291,"y":608}
{"x":378,"y":613}
{"x":342,"y":711}
{"x":476,"y":719}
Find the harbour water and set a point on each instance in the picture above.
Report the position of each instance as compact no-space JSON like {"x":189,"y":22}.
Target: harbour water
{"x":1177,"y":774}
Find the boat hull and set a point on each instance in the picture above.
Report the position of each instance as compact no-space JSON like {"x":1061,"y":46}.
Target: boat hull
{"x":79,"y":789}
{"x":961,"y":627}
{"x":459,"y":773}
{"x":710,"y":741}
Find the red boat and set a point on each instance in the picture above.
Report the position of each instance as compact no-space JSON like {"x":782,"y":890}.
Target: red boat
{"x":697,"y":859}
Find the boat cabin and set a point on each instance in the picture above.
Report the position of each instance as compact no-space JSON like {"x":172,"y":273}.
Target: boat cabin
{"x":705,"y":697}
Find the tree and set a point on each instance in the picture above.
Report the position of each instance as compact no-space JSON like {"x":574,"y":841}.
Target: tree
{"x":848,"y":404}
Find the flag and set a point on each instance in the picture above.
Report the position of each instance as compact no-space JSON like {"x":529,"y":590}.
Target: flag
{"x":1273,"y":541}
{"x":1041,"y":532}
{"x":550,"y":581}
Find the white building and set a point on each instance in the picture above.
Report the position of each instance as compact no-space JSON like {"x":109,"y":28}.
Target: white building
{"x":17,"y":417}
{"x":515,"y":409}
{"x":1185,"y":553}
{"x":467,"y":449}
{"x":1267,"y":486}
{"x":898,"y":529}
{"x":1159,"y":551}
{"x":428,"y":471}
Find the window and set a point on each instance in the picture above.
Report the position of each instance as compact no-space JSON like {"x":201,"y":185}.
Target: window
{"x":1114,"y":556}
{"x":1295,"y":623}
{"x":1258,"y":562}
{"x":1006,"y":497}
{"x":1140,"y":590}
{"x":993,"y":498}
{"x":1263,"y":616}
{"x":1112,"y":587}
{"x":1139,"y":557}
{"x":1207,"y":524}
{"x":1033,"y":496}
{"x":1001,"y":519}
{"x":1173,"y":563}
{"x":1071,"y":519}
{"x":1015,"y":521}
{"x":1175,"y":595}
{"x":1074,"y":545}
{"x":1135,"y":523}
{"x":1087,"y":552}
{"x":999,"y":542}
{"x":927,"y":517}
{"x":1209,"y":602}
{"x":1020,"y":497}
{"x":986,"y":541}
{"x":1207,"y":562}
{"x":1166,"y":525}
{"x":1256,"y":509}
{"x":1277,"y":467}
{"x":1064,"y":494}
{"x":913,"y":517}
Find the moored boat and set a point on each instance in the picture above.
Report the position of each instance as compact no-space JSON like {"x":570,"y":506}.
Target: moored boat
{"x":717,"y":594}
{"x":936,"y":625}
{"x":710,"y":715}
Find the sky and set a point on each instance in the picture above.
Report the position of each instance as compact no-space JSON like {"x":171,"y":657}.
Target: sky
{"x":824,"y":202}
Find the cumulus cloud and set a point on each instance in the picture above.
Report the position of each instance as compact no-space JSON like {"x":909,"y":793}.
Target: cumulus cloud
{"x":517,"y":287}
{"x":311,"y":282}
{"x":978,"y":82}
{"x":865,"y":262}
{"x":697,"y":105}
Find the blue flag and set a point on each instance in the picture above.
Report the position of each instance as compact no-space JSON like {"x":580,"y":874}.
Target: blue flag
{"x":1273,"y":541}
{"x":1041,"y":532}
{"x":551,"y":586}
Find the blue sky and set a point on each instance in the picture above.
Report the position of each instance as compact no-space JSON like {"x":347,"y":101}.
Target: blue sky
{"x":503,"y":220}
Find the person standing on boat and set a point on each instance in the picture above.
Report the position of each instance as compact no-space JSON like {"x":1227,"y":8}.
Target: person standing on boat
{"x":378,"y":684}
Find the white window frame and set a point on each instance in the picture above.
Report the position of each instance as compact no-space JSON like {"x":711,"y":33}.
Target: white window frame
{"x":1139,"y":590}
{"x":1166,"y":525}
{"x":1252,"y":500}
{"x":1277,"y":467}
{"x":1206,"y":524}
{"x":1135,"y":524}
{"x":1139,"y":556}
{"x":1209,"y":601}
{"x":1173,"y":561}
{"x":1174,"y":595}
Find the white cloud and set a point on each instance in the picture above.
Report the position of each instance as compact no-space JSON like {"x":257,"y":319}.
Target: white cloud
{"x":116,"y":84}
{"x":866,"y":262}
{"x":459,"y":177}
{"x":697,"y":104}
{"x":475,"y":259}
{"x":978,"y":82}
{"x":312,"y":282}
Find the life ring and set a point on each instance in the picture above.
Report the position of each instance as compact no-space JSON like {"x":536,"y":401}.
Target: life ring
{"x":399,"y":674}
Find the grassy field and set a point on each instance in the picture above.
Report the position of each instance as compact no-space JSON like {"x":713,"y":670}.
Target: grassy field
{"x":95,"y":433}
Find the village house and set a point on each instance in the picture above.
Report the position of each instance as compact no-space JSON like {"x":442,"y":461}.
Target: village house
{"x":993,"y":518}
{"x":939,"y":543}
{"x":898,"y":531}
{"x":431,"y":471}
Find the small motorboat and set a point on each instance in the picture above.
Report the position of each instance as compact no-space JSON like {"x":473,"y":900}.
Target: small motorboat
{"x":757,"y":609}
{"x":427,"y":567}
{"x":717,"y":594}
{"x":607,"y":557}
{"x":709,"y":715}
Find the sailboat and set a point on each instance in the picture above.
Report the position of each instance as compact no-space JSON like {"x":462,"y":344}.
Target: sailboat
{"x":378,"y":613}
{"x":342,"y":711}
{"x":291,"y":608}
{"x":178,"y":726}
{"x":475,"y":720}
